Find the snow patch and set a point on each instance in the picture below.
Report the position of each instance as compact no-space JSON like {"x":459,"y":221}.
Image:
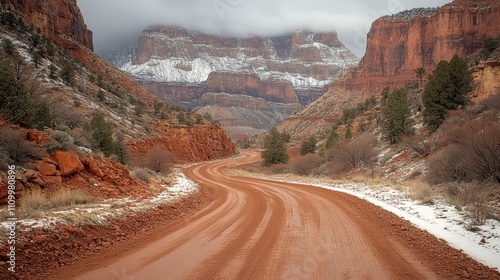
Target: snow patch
{"x":440,"y":219}
{"x":99,"y":213}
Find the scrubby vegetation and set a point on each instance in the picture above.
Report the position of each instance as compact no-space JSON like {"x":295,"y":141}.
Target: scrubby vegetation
{"x":427,"y":137}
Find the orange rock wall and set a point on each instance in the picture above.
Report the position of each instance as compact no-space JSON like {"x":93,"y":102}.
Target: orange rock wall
{"x":189,"y":144}
{"x":396,"y":48}
{"x":54,"y":18}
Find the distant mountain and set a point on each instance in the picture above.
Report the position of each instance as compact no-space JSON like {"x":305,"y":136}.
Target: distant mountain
{"x":182,"y":66}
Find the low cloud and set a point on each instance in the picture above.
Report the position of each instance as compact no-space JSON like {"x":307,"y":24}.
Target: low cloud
{"x":118,"y":23}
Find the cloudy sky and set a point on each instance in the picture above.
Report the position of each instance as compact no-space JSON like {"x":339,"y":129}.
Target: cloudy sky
{"x":117,"y":23}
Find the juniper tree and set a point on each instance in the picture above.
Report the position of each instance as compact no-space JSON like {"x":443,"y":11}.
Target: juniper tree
{"x":420,"y":71}
{"x":462,"y":82}
{"x":396,"y":116}
{"x":102,"y":135}
{"x":436,"y":96}
{"x":274,"y":149}
{"x":308,"y":146}
{"x":446,"y":90}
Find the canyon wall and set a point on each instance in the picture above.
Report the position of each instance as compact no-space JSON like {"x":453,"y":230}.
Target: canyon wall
{"x":180,"y":66}
{"x":396,"y":46}
{"x":400,"y":43}
{"x":54,"y":18}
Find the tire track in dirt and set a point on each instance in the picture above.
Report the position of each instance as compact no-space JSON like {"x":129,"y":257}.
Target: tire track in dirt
{"x":259,"y":229}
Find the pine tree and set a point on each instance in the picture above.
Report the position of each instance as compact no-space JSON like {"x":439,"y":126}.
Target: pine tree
{"x":348,"y":133}
{"x":274,"y":149}
{"x":52,"y":72}
{"x":16,"y":103}
{"x":332,"y":138}
{"x":462,"y":82}
{"x":436,"y":96}
{"x":446,"y":89}
{"x":420,"y":71}
{"x":68,"y":73}
{"x":396,"y":120}
{"x":9,"y":47}
{"x":102,"y":135}
{"x":308,"y":146}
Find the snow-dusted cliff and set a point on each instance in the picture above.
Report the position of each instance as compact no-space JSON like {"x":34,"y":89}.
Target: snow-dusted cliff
{"x":174,"y":55}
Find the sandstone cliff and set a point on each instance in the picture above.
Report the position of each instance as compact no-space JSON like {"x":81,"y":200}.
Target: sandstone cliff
{"x":400,"y":43}
{"x":487,"y":80}
{"x":189,"y":144}
{"x":55,"y":19}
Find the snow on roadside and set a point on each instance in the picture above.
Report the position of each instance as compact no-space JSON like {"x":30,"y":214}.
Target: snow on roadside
{"x":181,"y":188}
{"x":99,"y":213}
{"x":439,"y":219}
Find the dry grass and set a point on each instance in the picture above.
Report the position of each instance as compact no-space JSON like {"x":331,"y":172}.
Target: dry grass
{"x":142,"y":173}
{"x":420,"y":191}
{"x":304,"y":165}
{"x":367,"y":180}
{"x":68,"y":198}
{"x":33,"y":203}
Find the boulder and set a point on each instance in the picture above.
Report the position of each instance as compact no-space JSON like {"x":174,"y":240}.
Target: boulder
{"x":37,"y":136}
{"x":68,"y":163}
{"x":92,"y":166}
{"x":45,"y":168}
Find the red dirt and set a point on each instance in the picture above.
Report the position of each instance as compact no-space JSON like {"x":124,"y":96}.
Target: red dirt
{"x":259,"y":229}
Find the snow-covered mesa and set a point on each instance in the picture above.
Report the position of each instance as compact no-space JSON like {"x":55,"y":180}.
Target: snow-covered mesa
{"x":192,"y":70}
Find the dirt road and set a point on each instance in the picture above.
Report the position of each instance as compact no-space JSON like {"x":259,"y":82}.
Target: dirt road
{"x":259,"y":229}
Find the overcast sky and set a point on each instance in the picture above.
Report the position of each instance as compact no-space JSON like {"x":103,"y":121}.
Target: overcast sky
{"x":117,"y":23}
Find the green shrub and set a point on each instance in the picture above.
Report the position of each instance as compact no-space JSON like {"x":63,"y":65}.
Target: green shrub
{"x":60,"y":141}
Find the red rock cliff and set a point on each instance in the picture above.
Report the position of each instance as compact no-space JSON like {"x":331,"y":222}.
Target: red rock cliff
{"x":54,"y":17}
{"x":190,"y":144}
{"x":421,"y":38}
{"x":251,"y":84}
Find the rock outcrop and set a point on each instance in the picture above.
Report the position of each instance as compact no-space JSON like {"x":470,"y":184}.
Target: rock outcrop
{"x":487,"y":79}
{"x":189,"y":144}
{"x":400,"y":43}
{"x":55,"y":19}
{"x":69,"y":163}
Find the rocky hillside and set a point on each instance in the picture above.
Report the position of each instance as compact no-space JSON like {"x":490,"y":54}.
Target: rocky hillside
{"x":70,"y":86}
{"x":182,"y":66}
{"x":63,"y":23}
{"x":400,"y":43}
{"x":78,"y":132}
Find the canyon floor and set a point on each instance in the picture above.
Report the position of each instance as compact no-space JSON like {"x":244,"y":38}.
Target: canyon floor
{"x":261,"y":229}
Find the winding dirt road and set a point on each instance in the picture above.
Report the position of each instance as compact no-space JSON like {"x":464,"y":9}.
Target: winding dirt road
{"x":258,"y":229}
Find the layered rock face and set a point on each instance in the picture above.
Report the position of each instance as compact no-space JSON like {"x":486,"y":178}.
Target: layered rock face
{"x":400,"y":43}
{"x":182,"y":66}
{"x":54,"y":18}
{"x":171,"y":54}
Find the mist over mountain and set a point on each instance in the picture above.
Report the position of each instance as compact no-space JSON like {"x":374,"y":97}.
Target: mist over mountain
{"x":240,"y":18}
